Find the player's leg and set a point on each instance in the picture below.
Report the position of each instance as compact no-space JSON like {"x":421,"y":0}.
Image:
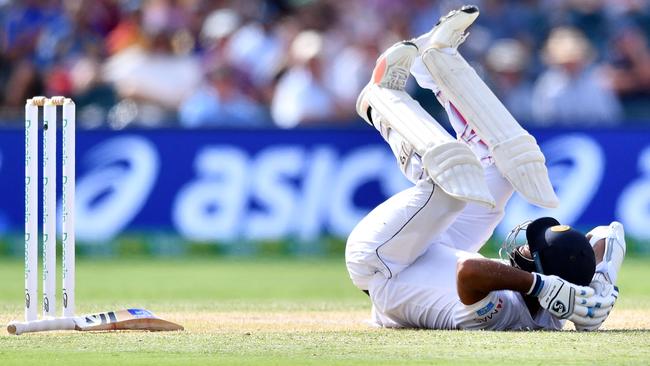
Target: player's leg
{"x":514,"y":150}
{"x":422,"y":295}
{"x":467,"y":229}
{"x":415,"y":137}
{"x":476,"y":224}
{"x":393,"y":235}
{"x":458,"y":122}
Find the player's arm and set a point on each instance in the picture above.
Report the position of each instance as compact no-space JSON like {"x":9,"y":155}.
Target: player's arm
{"x":608,"y":243}
{"x":477,"y":277}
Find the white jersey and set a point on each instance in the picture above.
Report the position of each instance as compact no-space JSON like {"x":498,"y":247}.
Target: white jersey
{"x":504,"y":310}
{"x":424,"y":296}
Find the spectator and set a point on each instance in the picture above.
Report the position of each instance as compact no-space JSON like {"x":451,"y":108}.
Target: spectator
{"x":256,"y":48}
{"x":93,"y":97}
{"x":506,"y":61}
{"x":347,"y":74}
{"x":300,"y":96}
{"x":142,"y":60}
{"x":22,"y":24}
{"x":153,"y":76}
{"x":629,"y":72}
{"x":573,"y":91}
{"x":590,"y":16}
{"x":221,"y":103}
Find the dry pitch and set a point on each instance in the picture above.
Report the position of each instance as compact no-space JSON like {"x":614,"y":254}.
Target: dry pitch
{"x":279,"y":312}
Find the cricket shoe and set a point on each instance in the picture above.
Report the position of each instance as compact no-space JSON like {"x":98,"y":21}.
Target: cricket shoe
{"x":615,"y":249}
{"x":451,"y":29}
{"x":391,"y":71}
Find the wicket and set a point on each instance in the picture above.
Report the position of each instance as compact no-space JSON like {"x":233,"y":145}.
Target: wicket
{"x":127,"y":319}
{"x":49,"y":126}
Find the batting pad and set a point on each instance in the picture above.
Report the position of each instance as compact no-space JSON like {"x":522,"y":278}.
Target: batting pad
{"x":450,"y":164}
{"x":515,"y":151}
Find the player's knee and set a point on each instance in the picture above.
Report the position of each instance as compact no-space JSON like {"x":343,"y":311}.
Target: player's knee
{"x":457,"y":205}
{"x":450,"y":204}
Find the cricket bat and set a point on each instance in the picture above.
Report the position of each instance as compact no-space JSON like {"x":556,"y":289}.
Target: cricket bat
{"x":127,"y":319}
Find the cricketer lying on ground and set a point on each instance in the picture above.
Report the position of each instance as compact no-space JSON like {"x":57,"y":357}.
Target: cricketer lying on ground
{"x":404,"y":253}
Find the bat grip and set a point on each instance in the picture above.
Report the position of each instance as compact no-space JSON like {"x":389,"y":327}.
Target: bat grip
{"x":43,"y":325}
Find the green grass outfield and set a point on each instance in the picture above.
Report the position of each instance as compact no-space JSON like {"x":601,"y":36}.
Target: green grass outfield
{"x":292,"y":312}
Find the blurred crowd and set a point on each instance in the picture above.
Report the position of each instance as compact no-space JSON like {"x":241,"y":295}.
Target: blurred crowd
{"x":288,"y":63}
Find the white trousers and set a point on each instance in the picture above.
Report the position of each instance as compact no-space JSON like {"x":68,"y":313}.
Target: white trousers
{"x":401,"y":229}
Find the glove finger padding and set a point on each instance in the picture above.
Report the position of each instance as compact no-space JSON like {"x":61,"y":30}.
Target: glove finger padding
{"x":593,"y":320}
{"x":583,"y":292}
{"x":591,"y":317}
{"x":597,"y":301}
{"x":587,"y":323}
{"x":591,"y":312}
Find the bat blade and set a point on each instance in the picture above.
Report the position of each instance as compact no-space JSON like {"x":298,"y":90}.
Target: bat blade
{"x":127,"y":319}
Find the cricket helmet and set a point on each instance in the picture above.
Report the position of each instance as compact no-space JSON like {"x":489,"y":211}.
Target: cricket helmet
{"x":555,"y":249}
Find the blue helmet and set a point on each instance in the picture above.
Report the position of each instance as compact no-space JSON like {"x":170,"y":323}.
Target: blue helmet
{"x":556,"y":250}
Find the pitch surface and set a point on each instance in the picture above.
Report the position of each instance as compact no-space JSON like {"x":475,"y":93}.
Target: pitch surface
{"x":272,"y":312}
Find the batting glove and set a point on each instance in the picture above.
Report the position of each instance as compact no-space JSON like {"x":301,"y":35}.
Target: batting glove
{"x":561,"y":298}
{"x":606,"y":296}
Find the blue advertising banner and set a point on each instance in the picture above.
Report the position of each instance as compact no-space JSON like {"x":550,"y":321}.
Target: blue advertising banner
{"x":229,"y":185}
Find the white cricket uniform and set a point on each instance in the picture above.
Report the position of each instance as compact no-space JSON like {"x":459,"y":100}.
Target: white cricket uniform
{"x":405,"y":251}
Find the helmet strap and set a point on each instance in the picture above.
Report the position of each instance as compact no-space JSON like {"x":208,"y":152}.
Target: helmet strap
{"x":538,"y":262}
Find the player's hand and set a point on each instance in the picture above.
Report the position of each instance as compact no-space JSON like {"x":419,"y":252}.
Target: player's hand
{"x":603,"y":286}
{"x":606,"y":295}
{"x":561,"y":298}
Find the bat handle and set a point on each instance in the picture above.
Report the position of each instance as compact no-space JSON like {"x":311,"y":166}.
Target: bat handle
{"x":43,"y":325}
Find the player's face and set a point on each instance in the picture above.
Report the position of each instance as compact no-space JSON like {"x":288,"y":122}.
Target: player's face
{"x":522,"y":258}
{"x":524,"y":250}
